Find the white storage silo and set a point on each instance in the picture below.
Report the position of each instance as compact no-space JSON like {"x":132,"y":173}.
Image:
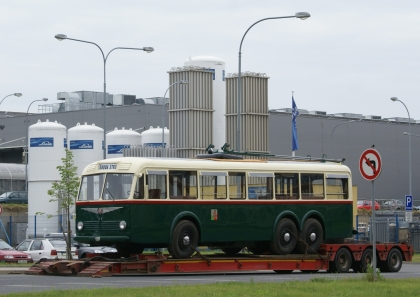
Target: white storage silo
{"x":117,"y":140}
{"x":45,"y":151}
{"x":85,"y":142}
{"x":219,"y":94}
{"x":153,"y":137}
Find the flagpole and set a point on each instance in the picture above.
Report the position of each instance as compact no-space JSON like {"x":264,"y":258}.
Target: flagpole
{"x":293,"y":152}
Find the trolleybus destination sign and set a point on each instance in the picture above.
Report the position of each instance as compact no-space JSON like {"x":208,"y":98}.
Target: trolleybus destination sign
{"x":370,"y":164}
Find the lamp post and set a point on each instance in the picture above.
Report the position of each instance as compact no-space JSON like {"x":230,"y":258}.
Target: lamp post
{"x":181,"y":82}
{"x":61,"y":37}
{"x":27,"y":140}
{"x":14,"y":94}
{"x":409,"y":143}
{"x":331,"y":141}
{"x":299,"y":15}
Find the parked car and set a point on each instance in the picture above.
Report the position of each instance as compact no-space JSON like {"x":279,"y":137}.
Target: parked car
{"x":15,"y":197}
{"x":394,"y":205}
{"x":417,"y":208}
{"x":82,"y":249}
{"x":45,"y":248}
{"x":10,"y":255}
{"x":367,"y":205}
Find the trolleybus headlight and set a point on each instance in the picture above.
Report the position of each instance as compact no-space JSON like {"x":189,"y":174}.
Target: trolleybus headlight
{"x":80,"y":226}
{"x":123,"y":225}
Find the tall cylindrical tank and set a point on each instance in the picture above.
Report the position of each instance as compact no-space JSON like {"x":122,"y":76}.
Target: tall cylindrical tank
{"x":219,"y":94}
{"x":45,"y":151}
{"x":117,"y":140}
{"x":85,"y":142}
{"x":153,"y":137}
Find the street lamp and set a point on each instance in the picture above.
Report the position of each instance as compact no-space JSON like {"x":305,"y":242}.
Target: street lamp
{"x":181,"y":82}
{"x":409,"y":142}
{"x":147,"y":49}
{"x":14,"y":94}
{"x":27,"y":140}
{"x":331,"y":141}
{"x":299,"y":15}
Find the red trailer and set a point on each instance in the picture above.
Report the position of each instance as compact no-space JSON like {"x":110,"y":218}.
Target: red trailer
{"x":340,"y":258}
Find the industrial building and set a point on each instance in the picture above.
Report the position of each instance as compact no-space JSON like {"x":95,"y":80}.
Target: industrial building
{"x":200,"y":113}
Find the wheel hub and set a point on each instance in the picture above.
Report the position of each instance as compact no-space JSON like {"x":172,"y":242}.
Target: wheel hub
{"x":286,"y":237}
{"x":186,"y":240}
{"x":312,"y":236}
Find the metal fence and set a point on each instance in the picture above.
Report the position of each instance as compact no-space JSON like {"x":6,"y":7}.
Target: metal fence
{"x":15,"y":229}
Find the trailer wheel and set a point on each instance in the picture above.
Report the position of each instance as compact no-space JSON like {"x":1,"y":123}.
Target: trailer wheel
{"x":310,"y":237}
{"x":284,"y":237}
{"x":230,"y":251}
{"x":184,"y":240}
{"x":393,"y":262}
{"x":342,"y":261}
{"x":367,"y":260}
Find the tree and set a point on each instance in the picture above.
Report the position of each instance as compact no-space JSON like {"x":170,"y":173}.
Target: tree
{"x":64,"y":192}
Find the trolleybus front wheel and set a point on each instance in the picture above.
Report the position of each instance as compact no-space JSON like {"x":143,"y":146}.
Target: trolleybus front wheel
{"x":284,"y":237}
{"x":184,"y":240}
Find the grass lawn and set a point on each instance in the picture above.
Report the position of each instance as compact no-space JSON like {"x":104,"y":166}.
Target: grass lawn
{"x":318,"y":287}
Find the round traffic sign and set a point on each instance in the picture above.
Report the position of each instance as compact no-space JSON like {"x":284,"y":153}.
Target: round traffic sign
{"x":370,"y":164}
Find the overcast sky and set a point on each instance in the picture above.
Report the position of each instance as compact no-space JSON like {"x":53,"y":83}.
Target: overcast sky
{"x":349,"y":56}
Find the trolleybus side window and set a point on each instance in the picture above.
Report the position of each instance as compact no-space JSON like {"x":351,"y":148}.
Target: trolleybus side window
{"x":117,"y":186}
{"x":237,"y":185}
{"x":91,"y":187}
{"x":213,"y":185}
{"x":312,"y":185}
{"x":337,"y":186}
{"x":182,"y":184}
{"x":287,"y":185}
{"x":260,"y":185}
{"x":139,"y":192}
{"x":156,"y":182}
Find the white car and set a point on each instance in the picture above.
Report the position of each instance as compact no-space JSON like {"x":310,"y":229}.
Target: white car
{"x":44,"y":248}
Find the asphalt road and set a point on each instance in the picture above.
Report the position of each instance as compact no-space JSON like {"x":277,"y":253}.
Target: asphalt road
{"x":19,"y":282}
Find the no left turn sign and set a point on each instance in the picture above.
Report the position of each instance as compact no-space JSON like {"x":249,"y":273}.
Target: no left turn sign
{"x":370,"y":164}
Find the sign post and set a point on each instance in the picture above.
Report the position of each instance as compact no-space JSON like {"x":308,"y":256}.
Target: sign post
{"x":370,"y":166}
{"x":408,"y":208}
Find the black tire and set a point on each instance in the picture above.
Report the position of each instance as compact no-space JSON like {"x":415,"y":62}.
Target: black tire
{"x":393,"y":262}
{"x":367,"y":260}
{"x":285,"y":238}
{"x":231,"y":251}
{"x":260,"y":247}
{"x":184,"y":240}
{"x":310,"y":237}
{"x":342,"y":261}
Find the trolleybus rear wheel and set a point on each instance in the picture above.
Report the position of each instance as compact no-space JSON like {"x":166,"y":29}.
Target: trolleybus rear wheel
{"x":310,"y":237}
{"x":184,"y":240}
{"x":284,"y":237}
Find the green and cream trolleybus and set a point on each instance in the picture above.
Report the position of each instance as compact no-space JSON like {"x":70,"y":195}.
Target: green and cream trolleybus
{"x":277,"y":207}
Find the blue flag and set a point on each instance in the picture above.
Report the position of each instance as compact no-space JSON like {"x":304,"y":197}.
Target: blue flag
{"x":295,"y":113}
